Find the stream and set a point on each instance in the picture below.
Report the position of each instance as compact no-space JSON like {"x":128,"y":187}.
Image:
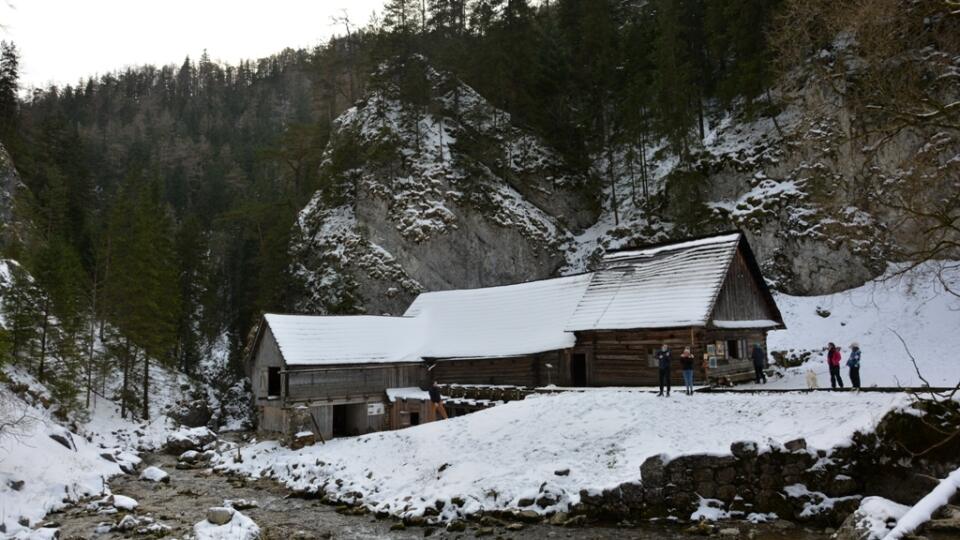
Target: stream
{"x":184,"y":501}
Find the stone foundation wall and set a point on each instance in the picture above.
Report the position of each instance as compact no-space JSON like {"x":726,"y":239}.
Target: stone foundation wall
{"x":793,"y":482}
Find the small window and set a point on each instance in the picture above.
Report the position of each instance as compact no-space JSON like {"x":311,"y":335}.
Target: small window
{"x":652,"y":359}
{"x":273,"y":382}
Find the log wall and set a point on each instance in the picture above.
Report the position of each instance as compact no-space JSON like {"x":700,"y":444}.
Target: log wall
{"x":518,"y":371}
{"x":346,"y":383}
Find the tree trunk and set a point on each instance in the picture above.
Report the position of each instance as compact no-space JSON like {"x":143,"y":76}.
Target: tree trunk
{"x":93,"y":337}
{"x":643,"y":164}
{"x":43,"y":340}
{"x":126,"y":379}
{"x":700,"y":116}
{"x":146,"y":386}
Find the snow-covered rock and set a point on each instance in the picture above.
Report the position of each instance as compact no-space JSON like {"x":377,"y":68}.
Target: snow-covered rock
{"x":220,"y":515}
{"x":237,"y":527}
{"x":186,"y":439}
{"x":155,"y":474}
{"x":872,"y":520}
{"x":422,"y":212}
{"x":122,"y":502}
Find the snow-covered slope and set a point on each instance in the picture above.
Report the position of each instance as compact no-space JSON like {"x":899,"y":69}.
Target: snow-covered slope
{"x":38,"y":474}
{"x":495,"y":457}
{"x":914,"y":304}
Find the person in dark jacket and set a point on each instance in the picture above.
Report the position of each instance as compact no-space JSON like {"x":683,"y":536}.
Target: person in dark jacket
{"x":663,"y":361}
{"x":438,"y":409}
{"x":759,"y":361}
{"x":686,"y":362}
{"x":833,"y":362}
{"x":853,"y":362}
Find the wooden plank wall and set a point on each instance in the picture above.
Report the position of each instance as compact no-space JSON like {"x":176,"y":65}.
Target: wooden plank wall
{"x":344,"y":383}
{"x":519,"y":371}
{"x":621,"y":358}
{"x":740,"y":298}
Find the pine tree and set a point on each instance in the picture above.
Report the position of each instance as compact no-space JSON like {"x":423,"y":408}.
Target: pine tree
{"x":21,"y":311}
{"x":140,"y":295}
{"x":9,"y":86}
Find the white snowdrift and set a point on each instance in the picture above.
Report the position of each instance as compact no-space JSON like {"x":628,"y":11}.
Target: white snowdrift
{"x":495,"y":457}
{"x":914,"y":305}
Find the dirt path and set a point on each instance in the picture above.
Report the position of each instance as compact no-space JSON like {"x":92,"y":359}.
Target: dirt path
{"x":184,"y":501}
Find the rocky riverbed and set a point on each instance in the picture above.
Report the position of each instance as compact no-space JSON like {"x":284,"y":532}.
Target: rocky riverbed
{"x":172,"y":508}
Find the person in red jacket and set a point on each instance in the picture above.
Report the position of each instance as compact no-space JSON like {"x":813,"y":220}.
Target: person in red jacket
{"x":833,"y":361}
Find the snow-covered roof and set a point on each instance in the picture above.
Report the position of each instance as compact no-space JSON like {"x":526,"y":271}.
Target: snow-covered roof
{"x":673,"y":285}
{"x":499,"y":321}
{"x":759,"y":323}
{"x":353,"y":339}
{"x":407,"y":392}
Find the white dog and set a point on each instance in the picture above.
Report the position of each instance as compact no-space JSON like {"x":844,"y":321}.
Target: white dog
{"x":811,"y":379}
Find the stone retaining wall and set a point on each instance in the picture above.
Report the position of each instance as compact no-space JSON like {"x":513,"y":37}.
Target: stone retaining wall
{"x":793,"y":482}
{"x":900,"y":461}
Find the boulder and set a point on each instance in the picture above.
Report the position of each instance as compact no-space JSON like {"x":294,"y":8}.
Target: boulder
{"x":240,"y":504}
{"x":192,"y":414}
{"x":528,"y":516}
{"x":122,"y":502}
{"x":63,"y":439}
{"x":795,"y":445}
{"x":220,"y":515}
{"x":186,"y":439}
{"x":303,"y":439}
{"x":155,"y":474}
{"x":744,"y":449}
{"x":653,"y":471}
{"x":128,"y":523}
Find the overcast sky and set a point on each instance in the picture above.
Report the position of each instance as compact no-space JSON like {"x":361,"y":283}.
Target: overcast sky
{"x":63,"y":40}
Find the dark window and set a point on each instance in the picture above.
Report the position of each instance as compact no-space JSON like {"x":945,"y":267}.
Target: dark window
{"x":737,"y":349}
{"x":414,"y":419}
{"x":733,"y":349}
{"x":273,"y":382}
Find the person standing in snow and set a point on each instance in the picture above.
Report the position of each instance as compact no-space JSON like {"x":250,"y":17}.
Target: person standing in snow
{"x":833,"y":362}
{"x":438,"y":409}
{"x":686,"y":362}
{"x":853,"y":362}
{"x":759,"y":359}
{"x":664,"y":357}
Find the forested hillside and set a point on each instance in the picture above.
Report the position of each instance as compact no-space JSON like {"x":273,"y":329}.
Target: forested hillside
{"x":460,"y":143}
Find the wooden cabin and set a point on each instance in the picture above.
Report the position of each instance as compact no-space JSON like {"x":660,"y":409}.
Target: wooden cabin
{"x":329,"y":374}
{"x":357,"y":374}
{"x":707,"y":294}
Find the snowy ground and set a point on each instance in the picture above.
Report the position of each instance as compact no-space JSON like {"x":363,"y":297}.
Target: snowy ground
{"x":495,"y":457}
{"x":54,"y":475}
{"x":915,"y":306}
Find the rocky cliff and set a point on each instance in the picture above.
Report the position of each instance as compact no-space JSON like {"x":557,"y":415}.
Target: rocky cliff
{"x":434,"y":191}
{"x":441,"y":190}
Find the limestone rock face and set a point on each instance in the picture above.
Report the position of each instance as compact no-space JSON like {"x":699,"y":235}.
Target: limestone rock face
{"x":444,"y":193}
